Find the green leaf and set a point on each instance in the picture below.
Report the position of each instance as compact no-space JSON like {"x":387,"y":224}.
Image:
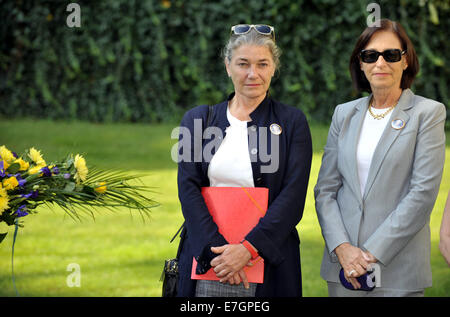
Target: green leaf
{"x":13,"y":168}
{"x":2,"y":236}
{"x":70,"y":186}
{"x":434,"y":17}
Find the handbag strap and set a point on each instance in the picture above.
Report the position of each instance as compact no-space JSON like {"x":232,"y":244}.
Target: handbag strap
{"x":180,"y":245}
{"x":183,"y":232}
{"x":178,"y":231}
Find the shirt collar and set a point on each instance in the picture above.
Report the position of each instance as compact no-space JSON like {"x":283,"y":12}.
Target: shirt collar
{"x":258,"y":115}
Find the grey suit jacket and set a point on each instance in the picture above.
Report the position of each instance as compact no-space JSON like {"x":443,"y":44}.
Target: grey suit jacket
{"x":391,"y":219}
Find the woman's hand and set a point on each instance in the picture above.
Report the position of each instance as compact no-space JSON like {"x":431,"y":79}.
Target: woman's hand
{"x":354,"y":261}
{"x":370,"y":257}
{"x":237,"y":278}
{"x":229,"y":265}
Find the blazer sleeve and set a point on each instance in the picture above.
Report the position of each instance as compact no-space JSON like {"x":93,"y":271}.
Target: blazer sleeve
{"x":286,"y":210}
{"x":328,"y":183}
{"x":202,"y":231}
{"x":413,"y":211}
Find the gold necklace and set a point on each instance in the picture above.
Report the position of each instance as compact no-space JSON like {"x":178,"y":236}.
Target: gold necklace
{"x":381,"y":115}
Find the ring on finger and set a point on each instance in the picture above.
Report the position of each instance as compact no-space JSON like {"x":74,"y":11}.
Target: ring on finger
{"x":351,"y":273}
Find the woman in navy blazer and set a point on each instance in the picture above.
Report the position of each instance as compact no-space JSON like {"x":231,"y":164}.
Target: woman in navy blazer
{"x":286,"y":174}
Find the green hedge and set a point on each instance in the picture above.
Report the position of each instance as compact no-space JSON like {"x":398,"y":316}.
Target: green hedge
{"x":149,"y":61}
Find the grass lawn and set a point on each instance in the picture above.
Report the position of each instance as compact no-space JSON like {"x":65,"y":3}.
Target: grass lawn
{"x":119,"y":254}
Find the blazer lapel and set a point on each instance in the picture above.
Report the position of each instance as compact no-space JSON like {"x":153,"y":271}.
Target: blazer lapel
{"x":354,"y":129}
{"x":388,"y":137}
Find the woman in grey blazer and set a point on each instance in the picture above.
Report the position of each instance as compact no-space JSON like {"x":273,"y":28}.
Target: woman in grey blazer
{"x":380,"y":174}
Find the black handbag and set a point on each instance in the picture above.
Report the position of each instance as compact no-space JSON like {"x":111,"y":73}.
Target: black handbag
{"x":170,"y":273}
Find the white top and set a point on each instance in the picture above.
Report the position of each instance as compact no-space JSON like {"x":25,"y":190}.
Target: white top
{"x":371,"y":132}
{"x":230,"y":166}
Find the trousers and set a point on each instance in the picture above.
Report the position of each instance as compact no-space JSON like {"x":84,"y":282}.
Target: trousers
{"x":216,"y":289}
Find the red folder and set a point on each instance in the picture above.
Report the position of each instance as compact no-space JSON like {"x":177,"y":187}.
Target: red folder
{"x":236,"y":211}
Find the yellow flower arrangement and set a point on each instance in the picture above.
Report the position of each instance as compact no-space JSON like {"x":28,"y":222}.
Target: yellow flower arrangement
{"x":4,"y":164}
{"x":10,"y":183}
{"x":100,"y":188}
{"x":6,"y":154}
{"x":23,"y":164}
{"x":4,"y":200}
{"x":35,"y":169}
{"x":82,"y":170}
{"x":27,"y":182}
{"x":36,"y":157}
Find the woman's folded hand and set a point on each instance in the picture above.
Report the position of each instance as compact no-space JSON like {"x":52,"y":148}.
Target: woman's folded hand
{"x":229,"y":265}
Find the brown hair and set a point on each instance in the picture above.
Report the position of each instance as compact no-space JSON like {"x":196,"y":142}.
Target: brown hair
{"x":359,"y":79}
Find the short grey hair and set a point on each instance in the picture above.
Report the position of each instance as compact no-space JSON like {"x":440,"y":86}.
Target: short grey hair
{"x":252,"y":38}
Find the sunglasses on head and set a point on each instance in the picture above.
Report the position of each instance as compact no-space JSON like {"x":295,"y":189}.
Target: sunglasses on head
{"x":390,"y":56}
{"x":260,"y":28}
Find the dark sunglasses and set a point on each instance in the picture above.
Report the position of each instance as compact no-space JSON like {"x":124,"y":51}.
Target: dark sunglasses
{"x":390,"y":56}
{"x":260,"y":28}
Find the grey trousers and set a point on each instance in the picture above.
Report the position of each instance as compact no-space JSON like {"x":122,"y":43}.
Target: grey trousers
{"x":337,"y":290}
{"x":217,"y":289}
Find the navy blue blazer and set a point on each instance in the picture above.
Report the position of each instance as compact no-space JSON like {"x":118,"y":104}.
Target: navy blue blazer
{"x":275,"y":236}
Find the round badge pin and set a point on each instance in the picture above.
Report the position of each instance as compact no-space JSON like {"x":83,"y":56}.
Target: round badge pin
{"x":275,"y":129}
{"x":398,"y":124}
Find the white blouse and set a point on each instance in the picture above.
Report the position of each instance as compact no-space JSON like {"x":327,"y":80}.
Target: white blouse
{"x":370,"y":135}
{"x":230,"y":166}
